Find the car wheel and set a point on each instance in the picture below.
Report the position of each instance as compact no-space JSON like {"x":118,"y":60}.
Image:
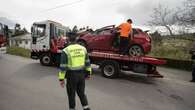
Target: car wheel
{"x":45,"y":60}
{"x":135,"y":50}
{"x":110,"y":69}
{"x":83,"y":43}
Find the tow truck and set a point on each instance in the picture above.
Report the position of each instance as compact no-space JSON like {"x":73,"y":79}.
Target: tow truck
{"x":47,"y":46}
{"x":111,"y":64}
{"x":3,"y":37}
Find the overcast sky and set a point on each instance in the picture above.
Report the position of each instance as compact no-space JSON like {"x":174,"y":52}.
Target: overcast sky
{"x":94,"y":13}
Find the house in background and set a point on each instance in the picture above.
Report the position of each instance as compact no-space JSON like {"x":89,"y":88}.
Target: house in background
{"x":23,"y":41}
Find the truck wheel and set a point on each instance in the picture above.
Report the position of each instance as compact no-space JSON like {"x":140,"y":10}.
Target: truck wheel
{"x":45,"y":60}
{"x":135,"y":50}
{"x":110,"y":69}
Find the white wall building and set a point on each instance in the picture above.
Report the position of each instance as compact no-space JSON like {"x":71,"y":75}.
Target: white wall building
{"x":23,"y":41}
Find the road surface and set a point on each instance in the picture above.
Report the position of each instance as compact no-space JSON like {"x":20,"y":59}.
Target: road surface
{"x":26,"y":85}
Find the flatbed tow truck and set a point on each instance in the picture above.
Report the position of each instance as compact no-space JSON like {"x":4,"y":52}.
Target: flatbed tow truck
{"x":47,"y":46}
{"x":111,"y":64}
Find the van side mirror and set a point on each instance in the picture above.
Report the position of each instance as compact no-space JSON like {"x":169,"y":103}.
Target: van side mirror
{"x":32,"y":30}
{"x":6,"y":31}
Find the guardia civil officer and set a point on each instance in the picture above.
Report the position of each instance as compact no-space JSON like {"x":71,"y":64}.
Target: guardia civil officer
{"x":193,"y":67}
{"x":75,"y":68}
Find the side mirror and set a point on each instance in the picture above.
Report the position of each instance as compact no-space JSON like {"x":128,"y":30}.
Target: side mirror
{"x":32,"y":30}
{"x":6,"y":30}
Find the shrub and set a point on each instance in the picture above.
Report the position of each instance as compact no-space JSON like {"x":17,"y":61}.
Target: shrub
{"x":172,"y":48}
{"x":179,"y":64}
{"x":175,"y":51}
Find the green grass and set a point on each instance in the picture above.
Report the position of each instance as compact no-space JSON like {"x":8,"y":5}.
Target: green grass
{"x":172,"y":49}
{"x":18,"y":51}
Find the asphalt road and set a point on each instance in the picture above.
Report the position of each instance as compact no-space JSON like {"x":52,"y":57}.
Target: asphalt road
{"x":26,"y":85}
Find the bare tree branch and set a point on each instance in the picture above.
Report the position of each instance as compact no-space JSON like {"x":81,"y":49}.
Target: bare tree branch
{"x":163,"y":16}
{"x":186,"y":15}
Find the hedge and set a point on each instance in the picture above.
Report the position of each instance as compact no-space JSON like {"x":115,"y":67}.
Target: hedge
{"x":178,"y":64}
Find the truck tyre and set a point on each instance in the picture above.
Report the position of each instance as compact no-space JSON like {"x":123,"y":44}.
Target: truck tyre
{"x":45,"y":59}
{"x":110,"y":69}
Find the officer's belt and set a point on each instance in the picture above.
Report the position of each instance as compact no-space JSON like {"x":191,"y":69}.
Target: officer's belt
{"x":76,"y":69}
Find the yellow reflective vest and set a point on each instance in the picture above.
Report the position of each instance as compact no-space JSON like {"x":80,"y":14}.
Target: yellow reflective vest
{"x":74,"y":57}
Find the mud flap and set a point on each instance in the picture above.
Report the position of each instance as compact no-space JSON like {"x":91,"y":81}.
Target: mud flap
{"x":152,"y":72}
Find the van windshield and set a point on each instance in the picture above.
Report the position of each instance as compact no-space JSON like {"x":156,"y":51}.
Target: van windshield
{"x":39,"y":30}
{"x":1,"y":29}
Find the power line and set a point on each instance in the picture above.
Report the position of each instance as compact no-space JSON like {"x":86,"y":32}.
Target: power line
{"x":60,"y":6}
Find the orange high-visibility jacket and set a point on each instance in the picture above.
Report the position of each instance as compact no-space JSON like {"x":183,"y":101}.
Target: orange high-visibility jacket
{"x":125,"y":29}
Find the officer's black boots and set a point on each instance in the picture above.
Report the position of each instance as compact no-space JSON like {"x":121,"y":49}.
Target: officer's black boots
{"x":192,"y":80}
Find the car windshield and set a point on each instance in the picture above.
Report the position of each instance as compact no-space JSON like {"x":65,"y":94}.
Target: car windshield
{"x":102,"y":31}
{"x":135,"y":32}
{"x":97,"y":31}
{"x":39,"y":30}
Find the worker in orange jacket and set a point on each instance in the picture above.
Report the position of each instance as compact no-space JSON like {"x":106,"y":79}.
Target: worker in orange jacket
{"x":126,"y":33}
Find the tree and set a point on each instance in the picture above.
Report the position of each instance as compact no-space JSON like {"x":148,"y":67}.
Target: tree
{"x":156,"y":37}
{"x":19,"y":31}
{"x":24,"y":30}
{"x":17,"y":27}
{"x":162,"y":16}
{"x":186,"y":15}
{"x":75,"y":29}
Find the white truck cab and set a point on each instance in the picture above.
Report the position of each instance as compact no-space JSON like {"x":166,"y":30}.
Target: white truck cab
{"x":48,"y":38}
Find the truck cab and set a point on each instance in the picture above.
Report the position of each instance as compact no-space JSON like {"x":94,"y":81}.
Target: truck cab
{"x":48,"y":39}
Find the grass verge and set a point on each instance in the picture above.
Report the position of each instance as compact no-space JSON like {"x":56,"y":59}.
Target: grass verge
{"x":174,"y":51}
{"x":18,"y":51}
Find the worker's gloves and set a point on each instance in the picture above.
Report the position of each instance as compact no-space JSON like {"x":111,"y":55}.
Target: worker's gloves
{"x":88,"y":77}
{"x":87,"y":74}
{"x":62,"y":83}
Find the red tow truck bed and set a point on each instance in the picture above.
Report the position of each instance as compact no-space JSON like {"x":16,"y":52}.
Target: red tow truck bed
{"x":112,"y":63}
